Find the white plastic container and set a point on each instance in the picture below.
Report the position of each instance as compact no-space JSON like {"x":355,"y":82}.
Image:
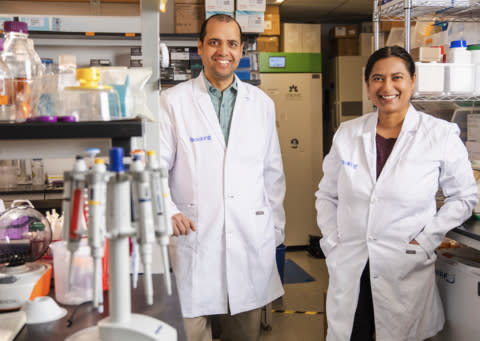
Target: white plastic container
{"x":475,"y":58}
{"x":430,"y":79}
{"x":459,"y":73}
{"x":458,"y":53}
{"x":459,"y":79}
{"x":458,"y":274}
{"x":81,"y":289}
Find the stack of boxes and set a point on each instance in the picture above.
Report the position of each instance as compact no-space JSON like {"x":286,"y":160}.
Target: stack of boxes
{"x":345,"y":40}
{"x":301,"y":38}
{"x":250,"y":15}
{"x":189,"y":15}
{"x":219,"y":7}
{"x":269,"y":41}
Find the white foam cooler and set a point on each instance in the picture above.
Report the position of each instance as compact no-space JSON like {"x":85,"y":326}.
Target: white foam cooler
{"x":458,"y":279}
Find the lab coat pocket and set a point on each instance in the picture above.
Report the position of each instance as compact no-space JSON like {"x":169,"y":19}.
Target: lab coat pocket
{"x":415,"y":259}
{"x":189,"y":211}
{"x":263,"y":225}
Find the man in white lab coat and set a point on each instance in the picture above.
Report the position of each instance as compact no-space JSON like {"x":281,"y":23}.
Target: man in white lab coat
{"x":219,"y":143}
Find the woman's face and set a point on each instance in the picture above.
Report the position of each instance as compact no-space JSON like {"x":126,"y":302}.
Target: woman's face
{"x":390,"y":86}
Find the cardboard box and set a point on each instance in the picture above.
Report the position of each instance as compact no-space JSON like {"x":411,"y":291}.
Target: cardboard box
{"x":301,"y":38}
{"x":219,"y":5}
{"x":290,"y":40}
{"x":427,"y":54}
{"x":190,"y":2}
{"x":365,"y":43}
{"x":345,"y":31}
{"x":189,"y":18}
{"x":346,"y":47}
{"x":268,"y":44}
{"x":311,"y":38}
{"x":251,"y":5}
{"x":272,"y":21}
{"x":250,"y":21}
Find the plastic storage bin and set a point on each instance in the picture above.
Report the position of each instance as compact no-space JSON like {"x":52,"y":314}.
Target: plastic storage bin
{"x":430,"y":79}
{"x":458,"y":277}
{"x":459,"y":79}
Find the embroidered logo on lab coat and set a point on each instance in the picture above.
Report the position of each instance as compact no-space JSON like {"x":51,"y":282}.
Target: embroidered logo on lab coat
{"x":350,"y":164}
{"x":201,"y":138}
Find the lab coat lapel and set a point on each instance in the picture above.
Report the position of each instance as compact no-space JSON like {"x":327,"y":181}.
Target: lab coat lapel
{"x":368,"y":141}
{"x":240,"y":102}
{"x":403,"y":141}
{"x":200,"y":93}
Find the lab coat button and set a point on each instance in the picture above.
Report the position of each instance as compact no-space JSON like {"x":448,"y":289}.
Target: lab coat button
{"x":375,"y":276}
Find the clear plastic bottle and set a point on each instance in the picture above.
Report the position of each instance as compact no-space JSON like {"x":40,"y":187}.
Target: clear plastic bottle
{"x":47,"y":103}
{"x":38,"y":174}
{"x":38,"y":61}
{"x":67,"y":71}
{"x":16,"y":54}
{"x":7,"y":104}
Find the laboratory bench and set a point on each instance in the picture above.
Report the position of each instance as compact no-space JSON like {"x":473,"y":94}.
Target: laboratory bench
{"x":166,"y":308}
{"x":468,"y":233}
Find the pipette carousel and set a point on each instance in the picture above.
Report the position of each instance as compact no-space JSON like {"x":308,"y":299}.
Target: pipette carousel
{"x":24,"y":237}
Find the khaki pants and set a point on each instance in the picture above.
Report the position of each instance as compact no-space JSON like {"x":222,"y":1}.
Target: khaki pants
{"x":241,"y":327}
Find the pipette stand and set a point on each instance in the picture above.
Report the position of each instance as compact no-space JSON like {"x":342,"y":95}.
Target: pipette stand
{"x":122,"y":325}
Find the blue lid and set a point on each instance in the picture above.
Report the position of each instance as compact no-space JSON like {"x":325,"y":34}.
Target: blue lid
{"x":458,"y":43}
{"x":116,"y":160}
{"x":47,"y":61}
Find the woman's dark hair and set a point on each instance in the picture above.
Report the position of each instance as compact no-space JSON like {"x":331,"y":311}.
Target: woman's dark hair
{"x":220,"y":17}
{"x":390,"y":51}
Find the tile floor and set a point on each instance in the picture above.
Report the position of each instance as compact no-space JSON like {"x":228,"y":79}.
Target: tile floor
{"x":300,"y":297}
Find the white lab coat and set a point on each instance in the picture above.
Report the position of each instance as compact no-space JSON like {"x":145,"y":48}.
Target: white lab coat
{"x":234,"y":196}
{"x":364,"y":218}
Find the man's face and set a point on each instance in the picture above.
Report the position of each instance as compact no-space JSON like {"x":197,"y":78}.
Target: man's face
{"x":221,"y":51}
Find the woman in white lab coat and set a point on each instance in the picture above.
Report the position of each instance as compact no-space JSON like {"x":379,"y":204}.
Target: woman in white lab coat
{"x":377,"y":210}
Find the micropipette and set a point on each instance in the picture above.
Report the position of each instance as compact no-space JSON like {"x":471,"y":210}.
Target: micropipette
{"x":162,"y":219}
{"x":96,"y":180}
{"x":145,"y":226}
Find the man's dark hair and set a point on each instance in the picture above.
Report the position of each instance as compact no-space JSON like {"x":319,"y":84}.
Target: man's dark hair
{"x":220,"y":17}
{"x":390,"y":51}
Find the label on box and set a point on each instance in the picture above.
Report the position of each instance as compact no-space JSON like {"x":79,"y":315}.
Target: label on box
{"x":208,"y":14}
{"x":37,"y":23}
{"x":219,"y":5}
{"x":252,"y":5}
{"x":267,"y":25}
{"x":250,"y":21}
{"x":340,"y":31}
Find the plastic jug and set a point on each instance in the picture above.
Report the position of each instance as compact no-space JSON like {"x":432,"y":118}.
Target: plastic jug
{"x":23,"y":66}
{"x":90,"y":101}
{"x":7,"y":104}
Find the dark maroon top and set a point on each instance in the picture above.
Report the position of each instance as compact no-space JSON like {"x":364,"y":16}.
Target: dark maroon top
{"x":384,"y":148}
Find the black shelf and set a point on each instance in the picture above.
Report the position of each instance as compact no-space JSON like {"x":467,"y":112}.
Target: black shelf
{"x":119,"y":131}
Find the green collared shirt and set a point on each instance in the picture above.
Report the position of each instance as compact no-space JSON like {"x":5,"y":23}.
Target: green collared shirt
{"x":223,"y":104}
